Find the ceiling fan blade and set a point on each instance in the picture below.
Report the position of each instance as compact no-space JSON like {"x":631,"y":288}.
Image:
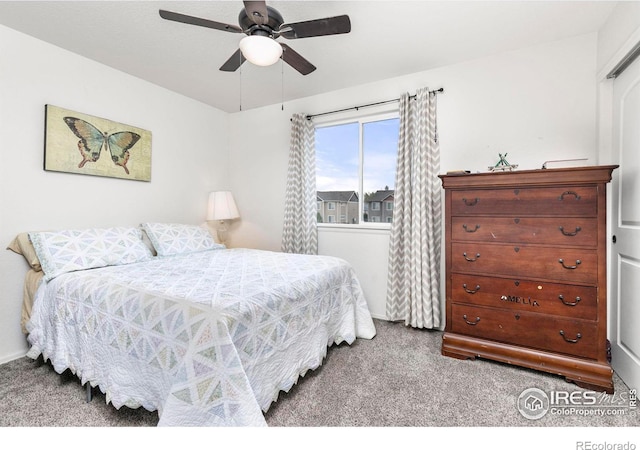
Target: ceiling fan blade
{"x":295,"y":60}
{"x":257,"y":11}
{"x":190,"y":20}
{"x":234,"y":62}
{"x":317,"y":27}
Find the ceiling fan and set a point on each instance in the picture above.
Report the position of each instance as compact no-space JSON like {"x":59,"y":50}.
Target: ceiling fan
{"x":266,"y":24}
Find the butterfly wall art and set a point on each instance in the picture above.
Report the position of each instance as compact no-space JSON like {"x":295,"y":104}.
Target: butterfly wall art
{"x":79,"y":143}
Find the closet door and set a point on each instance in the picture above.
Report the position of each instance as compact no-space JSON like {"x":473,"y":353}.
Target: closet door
{"x":625,"y":223}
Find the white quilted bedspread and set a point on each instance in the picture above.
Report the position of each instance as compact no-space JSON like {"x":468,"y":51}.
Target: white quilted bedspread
{"x":209,"y":338}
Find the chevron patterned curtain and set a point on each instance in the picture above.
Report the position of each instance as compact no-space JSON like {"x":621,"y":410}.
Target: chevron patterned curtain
{"x":413,"y":285}
{"x":299,"y":234}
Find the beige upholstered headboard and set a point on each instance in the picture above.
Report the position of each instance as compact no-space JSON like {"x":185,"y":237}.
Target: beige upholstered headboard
{"x":31,"y":283}
{"x":22,"y":246}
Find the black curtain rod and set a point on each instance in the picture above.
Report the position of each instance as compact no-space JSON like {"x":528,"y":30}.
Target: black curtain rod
{"x":311,"y":116}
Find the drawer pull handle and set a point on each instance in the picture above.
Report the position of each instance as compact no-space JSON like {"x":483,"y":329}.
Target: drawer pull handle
{"x":471,"y":259}
{"x":470,"y":203}
{"x":569,"y":193}
{"x":571,"y":341}
{"x":561,"y":297}
{"x":578,"y":262}
{"x":469,"y":291}
{"x":569,"y":233}
{"x":470,"y":231}
{"x":471,"y":323}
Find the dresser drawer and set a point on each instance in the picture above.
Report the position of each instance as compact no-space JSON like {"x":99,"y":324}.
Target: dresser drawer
{"x":550,"y":333}
{"x":573,"y":265}
{"x":574,"y":231}
{"x":567,"y":300}
{"x":579,"y":201}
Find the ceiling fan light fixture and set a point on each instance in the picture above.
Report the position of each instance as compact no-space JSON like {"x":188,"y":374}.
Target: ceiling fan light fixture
{"x":260,"y":50}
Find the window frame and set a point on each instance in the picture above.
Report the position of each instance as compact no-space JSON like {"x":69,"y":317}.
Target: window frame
{"x":362,"y":119}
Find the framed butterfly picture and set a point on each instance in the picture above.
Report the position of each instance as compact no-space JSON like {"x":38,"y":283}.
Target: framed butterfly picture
{"x":80,"y":143}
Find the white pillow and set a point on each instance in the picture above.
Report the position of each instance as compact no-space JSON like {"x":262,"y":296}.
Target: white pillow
{"x":70,"y":250}
{"x":174,"y":238}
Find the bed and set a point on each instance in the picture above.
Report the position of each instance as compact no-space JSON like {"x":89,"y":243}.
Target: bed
{"x":205,"y":335}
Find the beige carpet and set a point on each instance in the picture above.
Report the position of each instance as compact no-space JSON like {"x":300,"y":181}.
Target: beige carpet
{"x":397,"y":379}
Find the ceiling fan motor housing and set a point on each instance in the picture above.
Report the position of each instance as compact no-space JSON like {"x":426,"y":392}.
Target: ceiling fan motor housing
{"x":252,"y":26}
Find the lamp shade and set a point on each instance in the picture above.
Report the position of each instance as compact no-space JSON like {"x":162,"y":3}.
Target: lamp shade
{"x":222,"y":206}
{"x":260,"y":50}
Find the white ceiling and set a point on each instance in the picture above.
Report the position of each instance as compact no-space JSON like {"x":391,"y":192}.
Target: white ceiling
{"x":387,"y":39}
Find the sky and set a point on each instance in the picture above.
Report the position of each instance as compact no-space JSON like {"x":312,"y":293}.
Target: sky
{"x":337,"y":156}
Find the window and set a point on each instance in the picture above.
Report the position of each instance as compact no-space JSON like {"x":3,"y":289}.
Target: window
{"x":355,"y":166}
{"x":331,"y":206}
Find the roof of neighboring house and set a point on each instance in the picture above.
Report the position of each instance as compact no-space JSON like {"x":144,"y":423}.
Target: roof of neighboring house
{"x":380,"y":196}
{"x":337,"y":196}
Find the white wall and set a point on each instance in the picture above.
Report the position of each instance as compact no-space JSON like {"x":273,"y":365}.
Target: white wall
{"x":619,"y":34}
{"x":621,"y":27}
{"x":189,"y":151}
{"x":535,"y":104}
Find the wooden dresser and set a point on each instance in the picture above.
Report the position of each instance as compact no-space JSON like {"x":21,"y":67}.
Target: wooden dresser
{"x":526,"y":278}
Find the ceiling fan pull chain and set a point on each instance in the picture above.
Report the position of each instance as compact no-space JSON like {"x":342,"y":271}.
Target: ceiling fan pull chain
{"x":240,"y":72}
{"x":282,"y":77}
